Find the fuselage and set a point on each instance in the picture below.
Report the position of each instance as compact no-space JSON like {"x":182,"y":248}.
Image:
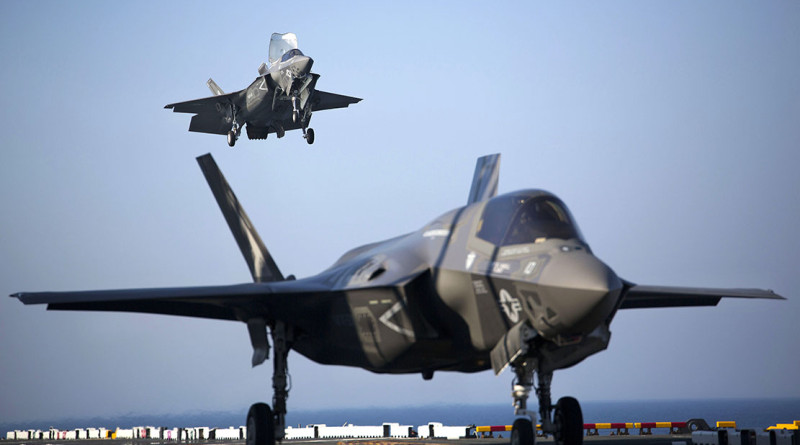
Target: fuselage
{"x":268,"y":99}
{"x":443,"y":296}
{"x":291,"y":70}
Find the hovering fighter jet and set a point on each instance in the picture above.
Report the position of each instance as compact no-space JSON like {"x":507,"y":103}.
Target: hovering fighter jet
{"x":280,"y":99}
{"x":505,"y":281}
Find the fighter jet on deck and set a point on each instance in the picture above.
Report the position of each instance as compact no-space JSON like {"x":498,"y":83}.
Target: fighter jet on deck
{"x":280,"y":99}
{"x":504,"y":281}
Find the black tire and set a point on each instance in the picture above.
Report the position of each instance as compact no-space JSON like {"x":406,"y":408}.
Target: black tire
{"x":568,"y":419}
{"x":522,"y":432}
{"x":260,"y":425}
{"x":310,"y":136}
{"x":231,"y":138}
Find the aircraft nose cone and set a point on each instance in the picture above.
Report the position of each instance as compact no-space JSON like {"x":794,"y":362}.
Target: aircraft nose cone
{"x":577,"y":292}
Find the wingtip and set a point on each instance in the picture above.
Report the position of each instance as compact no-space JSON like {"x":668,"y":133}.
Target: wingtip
{"x":775,"y":295}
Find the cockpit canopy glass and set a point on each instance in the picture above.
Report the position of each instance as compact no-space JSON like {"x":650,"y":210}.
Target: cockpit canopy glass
{"x":291,"y":53}
{"x":280,"y":44}
{"x":526,"y":218}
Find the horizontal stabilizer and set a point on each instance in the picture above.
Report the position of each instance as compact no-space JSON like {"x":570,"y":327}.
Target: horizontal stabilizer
{"x":329,"y":101}
{"x":485,"y":179}
{"x":262,"y":266}
{"x":212,"y":123}
{"x":668,"y":296}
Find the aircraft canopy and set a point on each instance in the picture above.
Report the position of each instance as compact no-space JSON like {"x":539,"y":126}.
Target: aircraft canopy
{"x":526,"y":217}
{"x":280,"y":44}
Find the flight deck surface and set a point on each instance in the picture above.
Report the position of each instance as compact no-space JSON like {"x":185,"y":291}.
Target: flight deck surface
{"x":674,"y":439}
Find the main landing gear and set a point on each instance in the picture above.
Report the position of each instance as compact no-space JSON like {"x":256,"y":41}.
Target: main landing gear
{"x":308,"y":134}
{"x":236,"y":129}
{"x":303,"y":117}
{"x":564,"y":421}
{"x":265,"y":426}
{"x":233,"y":135}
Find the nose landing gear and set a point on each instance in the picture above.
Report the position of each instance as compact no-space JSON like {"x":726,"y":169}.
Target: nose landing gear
{"x":564,"y":421}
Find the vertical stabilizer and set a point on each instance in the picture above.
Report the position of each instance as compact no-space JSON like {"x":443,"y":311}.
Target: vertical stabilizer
{"x":262,"y":266}
{"x":485,"y":179}
{"x":215,"y":89}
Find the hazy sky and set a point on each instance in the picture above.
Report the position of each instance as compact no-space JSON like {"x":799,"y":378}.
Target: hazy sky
{"x":670,"y":129}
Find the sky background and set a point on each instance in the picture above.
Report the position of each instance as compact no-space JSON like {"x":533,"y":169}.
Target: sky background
{"x":670,"y":129}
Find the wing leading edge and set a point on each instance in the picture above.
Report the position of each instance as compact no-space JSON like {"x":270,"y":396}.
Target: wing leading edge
{"x":638,"y":296}
{"x":216,"y":302}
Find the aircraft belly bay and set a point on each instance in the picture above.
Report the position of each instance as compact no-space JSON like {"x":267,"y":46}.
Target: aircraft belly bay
{"x":506,"y":281}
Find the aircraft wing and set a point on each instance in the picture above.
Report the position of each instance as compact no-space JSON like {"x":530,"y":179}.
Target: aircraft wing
{"x":217,"y":302}
{"x":668,"y":296}
{"x":328,"y":101}
{"x":228,"y":302}
{"x":204,"y":105}
{"x":211,"y":113}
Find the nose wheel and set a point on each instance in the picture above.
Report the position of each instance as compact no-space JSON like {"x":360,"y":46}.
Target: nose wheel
{"x":522,"y":432}
{"x":564,"y":421}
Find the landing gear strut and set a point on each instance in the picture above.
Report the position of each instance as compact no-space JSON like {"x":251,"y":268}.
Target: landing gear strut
{"x":236,"y":130}
{"x":265,"y":426}
{"x":522,"y":432}
{"x":564,"y":421}
{"x":295,"y":111}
